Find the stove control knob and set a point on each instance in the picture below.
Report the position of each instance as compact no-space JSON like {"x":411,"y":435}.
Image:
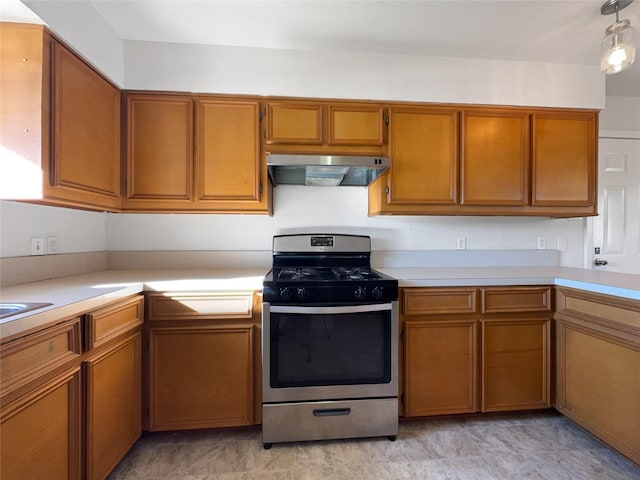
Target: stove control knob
{"x":303,"y":294}
{"x":285,"y":294}
{"x":360,"y":293}
{"x":376,"y":293}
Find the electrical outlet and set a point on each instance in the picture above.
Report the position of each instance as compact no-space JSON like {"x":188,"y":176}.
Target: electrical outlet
{"x":542,"y":243}
{"x":461,"y":243}
{"x":37,"y":246}
{"x":562,"y":244}
{"x":52,"y":245}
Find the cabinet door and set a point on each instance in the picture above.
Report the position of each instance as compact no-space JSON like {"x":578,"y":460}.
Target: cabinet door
{"x":113,"y":408}
{"x":515,"y":364}
{"x":85,"y":160}
{"x":355,"y":125}
{"x":440,"y":367}
{"x":41,"y":432}
{"x":599,"y":383}
{"x":294,"y":123}
{"x":159,"y":151}
{"x":424,"y":156}
{"x":495,"y":158}
{"x":228,"y":152}
{"x":201,"y":377}
{"x":564,"y":159}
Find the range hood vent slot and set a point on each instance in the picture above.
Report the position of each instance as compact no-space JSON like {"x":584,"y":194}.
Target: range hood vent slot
{"x":325,"y":170}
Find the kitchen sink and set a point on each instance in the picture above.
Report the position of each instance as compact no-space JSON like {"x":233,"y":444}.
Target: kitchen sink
{"x":8,"y":310}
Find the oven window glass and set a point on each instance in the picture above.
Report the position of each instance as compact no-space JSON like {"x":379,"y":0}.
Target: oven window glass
{"x":335,"y":349}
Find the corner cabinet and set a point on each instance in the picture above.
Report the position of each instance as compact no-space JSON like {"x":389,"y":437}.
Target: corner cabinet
{"x":598,"y":364}
{"x":458,"y":160}
{"x":202,"y":360}
{"x":189,"y":153}
{"x":64,"y":118}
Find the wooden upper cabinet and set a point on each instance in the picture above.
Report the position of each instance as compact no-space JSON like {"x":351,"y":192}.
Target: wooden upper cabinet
{"x":294,"y":123}
{"x":194,"y":153}
{"x":424,"y":156}
{"x":228,"y":151}
{"x":564,"y":159}
{"x":355,"y":125}
{"x":85,"y":160}
{"x":159,"y":149}
{"x":495,"y":158}
{"x":324,"y":127}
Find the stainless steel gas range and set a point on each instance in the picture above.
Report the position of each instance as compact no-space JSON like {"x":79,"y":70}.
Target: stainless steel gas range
{"x":329,"y":341}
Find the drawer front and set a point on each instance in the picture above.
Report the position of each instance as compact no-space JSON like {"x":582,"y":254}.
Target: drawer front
{"x":510,"y":300}
{"x":193,"y":306}
{"x":111,"y":321}
{"x":26,"y":358}
{"x":429,"y":301}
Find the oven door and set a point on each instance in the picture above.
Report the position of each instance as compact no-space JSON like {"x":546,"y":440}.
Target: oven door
{"x":329,"y":353}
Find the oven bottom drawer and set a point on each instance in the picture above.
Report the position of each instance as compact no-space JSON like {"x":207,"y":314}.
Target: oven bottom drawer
{"x":291,"y":422}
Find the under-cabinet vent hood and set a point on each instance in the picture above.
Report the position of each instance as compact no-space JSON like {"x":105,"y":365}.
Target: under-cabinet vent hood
{"x":325,"y":170}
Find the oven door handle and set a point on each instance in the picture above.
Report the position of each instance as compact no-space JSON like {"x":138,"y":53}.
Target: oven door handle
{"x":376,"y":307}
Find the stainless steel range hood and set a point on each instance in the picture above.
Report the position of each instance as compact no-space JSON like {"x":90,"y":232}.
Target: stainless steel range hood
{"x":325,"y":170}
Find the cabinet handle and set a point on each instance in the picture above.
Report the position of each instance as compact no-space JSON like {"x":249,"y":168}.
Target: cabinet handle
{"x":331,"y":412}
{"x":599,"y":262}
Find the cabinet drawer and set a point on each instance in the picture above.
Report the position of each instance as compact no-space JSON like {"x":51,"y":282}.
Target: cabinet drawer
{"x":26,"y":358}
{"x":192,"y":306}
{"x":107,"y":323}
{"x":424,"y":301}
{"x":509,"y":300}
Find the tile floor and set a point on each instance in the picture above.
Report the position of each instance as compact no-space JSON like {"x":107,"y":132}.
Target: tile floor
{"x":522,"y":446}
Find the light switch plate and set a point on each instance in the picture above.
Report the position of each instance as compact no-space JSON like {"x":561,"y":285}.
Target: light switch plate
{"x":461,"y":243}
{"x":37,"y":246}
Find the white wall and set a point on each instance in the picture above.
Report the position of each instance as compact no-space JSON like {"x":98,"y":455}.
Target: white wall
{"x":77,"y":230}
{"x":341,"y":210}
{"x":621,"y":114}
{"x":80,"y":25}
{"x":202,"y":68}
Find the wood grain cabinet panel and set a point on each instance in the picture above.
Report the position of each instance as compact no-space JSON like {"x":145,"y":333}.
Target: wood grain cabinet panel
{"x":25,"y":359}
{"x":564,"y":159}
{"x":440,"y":367}
{"x":516,"y":299}
{"x":159,"y":149}
{"x":355,"y":125}
{"x":495,"y":158}
{"x":41,"y":431}
{"x":424,"y":156}
{"x":294,"y":123}
{"x":515,"y":364}
{"x":228,"y":160}
{"x":85,"y":161}
{"x":108,"y":323}
{"x":201,"y":377}
{"x":420,"y":301}
{"x":113,"y":385}
{"x":598,"y":366}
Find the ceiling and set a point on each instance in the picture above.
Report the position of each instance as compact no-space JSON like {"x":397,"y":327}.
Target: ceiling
{"x":560,"y":31}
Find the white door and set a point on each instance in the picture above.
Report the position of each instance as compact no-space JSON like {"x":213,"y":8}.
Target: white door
{"x":616,"y":230}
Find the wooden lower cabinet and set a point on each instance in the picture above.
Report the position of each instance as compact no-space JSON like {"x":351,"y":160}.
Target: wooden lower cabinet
{"x":201,"y":376}
{"x":598,"y":365}
{"x":41,"y":431}
{"x":440,"y":367}
{"x":472,"y":349}
{"x":515,"y":364}
{"x":113,"y":405}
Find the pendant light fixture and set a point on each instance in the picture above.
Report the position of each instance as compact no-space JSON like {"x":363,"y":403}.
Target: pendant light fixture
{"x":618,"y":48}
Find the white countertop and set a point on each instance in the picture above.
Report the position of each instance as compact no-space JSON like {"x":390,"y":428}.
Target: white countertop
{"x":78,"y":294}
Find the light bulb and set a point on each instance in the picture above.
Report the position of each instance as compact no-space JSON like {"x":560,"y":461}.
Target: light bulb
{"x":617,"y":56}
